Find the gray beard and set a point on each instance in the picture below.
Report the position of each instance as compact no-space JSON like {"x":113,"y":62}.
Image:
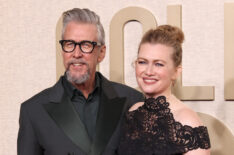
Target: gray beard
{"x":78,"y":80}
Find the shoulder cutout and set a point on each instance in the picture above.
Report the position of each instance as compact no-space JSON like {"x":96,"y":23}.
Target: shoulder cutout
{"x":136,"y":106}
{"x":188,"y":117}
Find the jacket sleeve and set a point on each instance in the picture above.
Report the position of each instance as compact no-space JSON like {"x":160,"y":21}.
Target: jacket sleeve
{"x":27,"y":143}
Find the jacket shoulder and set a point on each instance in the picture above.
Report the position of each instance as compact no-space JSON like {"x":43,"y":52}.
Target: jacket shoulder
{"x":121,"y":89}
{"x":124,"y":87}
{"x":45,"y":95}
{"x":38,"y":98}
{"x":127,"y":91}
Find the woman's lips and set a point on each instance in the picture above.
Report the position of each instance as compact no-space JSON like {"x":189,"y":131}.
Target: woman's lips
{"x":149,"y":80}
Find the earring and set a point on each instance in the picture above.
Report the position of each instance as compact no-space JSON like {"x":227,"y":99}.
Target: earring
{"x":173,"y":83}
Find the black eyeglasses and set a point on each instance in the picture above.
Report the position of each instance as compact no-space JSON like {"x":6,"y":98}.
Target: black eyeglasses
{"x":86,"y":46}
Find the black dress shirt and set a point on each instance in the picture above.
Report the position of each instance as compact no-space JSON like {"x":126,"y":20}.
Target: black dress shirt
{"x":87,"y":108}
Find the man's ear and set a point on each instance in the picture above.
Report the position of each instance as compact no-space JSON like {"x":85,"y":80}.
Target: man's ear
{"x":102,"y":53}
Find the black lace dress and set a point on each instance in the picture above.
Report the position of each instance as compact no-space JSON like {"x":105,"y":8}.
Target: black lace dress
{"x":152,"y":130}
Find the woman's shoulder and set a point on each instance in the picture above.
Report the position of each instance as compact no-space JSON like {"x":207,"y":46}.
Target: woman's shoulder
{"x":136,"y":106}
{"x":187,"y":116}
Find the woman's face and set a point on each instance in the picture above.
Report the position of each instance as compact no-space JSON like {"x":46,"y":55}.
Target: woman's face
{"x":155,"y":69}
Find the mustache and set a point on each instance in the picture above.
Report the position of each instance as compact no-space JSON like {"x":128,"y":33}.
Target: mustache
{"x":74,"y":61}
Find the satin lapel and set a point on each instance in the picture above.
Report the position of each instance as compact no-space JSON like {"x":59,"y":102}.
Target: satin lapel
{"x":109,"y":115}
{"x":66,"y":117}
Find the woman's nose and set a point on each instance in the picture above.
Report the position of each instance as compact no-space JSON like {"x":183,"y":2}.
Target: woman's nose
{"x":149,"y":69}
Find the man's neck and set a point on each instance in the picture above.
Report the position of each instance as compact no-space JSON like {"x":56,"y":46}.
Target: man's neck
{"x":86,"y":88}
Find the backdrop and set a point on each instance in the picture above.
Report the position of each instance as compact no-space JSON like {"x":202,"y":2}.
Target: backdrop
{"x":28,"y":51}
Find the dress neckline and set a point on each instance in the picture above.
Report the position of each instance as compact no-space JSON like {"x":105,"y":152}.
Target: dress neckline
{"x":159,"y":103}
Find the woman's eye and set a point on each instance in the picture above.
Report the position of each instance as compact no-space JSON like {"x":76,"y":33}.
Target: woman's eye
{"x":159,"y":64}
{"x":141,"y":62}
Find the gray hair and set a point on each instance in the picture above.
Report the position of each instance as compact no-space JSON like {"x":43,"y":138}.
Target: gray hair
{"x":84,"y":16}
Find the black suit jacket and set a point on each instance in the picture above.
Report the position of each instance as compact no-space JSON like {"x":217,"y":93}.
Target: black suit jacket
{"x":50,"y":125}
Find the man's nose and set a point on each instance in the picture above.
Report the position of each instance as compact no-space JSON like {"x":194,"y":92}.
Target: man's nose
{"x":77,"y":52}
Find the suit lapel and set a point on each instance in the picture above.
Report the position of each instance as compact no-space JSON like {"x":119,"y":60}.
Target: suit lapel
{"x":66,"y":117}
{"x":110,"y":111}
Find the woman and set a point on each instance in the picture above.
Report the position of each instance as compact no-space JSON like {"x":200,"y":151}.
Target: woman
{"x":162,"y":125}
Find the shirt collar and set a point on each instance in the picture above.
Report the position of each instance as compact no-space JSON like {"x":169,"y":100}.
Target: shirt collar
{"x":72,"y":90}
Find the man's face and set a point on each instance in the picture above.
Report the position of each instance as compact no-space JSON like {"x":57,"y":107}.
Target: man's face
{"x":81,"y":67}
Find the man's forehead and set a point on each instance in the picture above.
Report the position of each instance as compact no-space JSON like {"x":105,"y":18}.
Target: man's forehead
{"x":81,"y":30}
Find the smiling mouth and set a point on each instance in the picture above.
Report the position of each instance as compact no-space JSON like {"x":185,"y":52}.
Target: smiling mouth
{"x":149,"y":81}
{"x":79,"y":64}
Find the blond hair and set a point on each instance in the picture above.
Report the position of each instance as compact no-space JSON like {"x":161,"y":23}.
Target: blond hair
{"x":167,"y":35}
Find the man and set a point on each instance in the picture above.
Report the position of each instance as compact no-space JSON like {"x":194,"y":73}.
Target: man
{"x":81,"y":114}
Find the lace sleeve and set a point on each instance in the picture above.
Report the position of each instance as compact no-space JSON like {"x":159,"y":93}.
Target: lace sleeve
{"x":152,"y":130}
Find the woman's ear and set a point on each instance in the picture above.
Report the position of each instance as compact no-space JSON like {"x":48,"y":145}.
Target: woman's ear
{"x":177,"y":72}
{"x":134,"y":63}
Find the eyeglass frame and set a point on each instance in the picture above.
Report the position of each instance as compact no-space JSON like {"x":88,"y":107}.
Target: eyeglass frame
{"x":79,"y":43}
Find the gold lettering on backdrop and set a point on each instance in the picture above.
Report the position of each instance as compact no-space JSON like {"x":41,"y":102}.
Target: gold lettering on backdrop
{"x":174,"y":13}
{"x":117,"y":40}
{"x":59,"y":60}
{"x":228,"y":51}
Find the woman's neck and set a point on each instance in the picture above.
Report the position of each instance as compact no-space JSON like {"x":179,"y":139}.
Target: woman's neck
{"x":167,"y":94}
